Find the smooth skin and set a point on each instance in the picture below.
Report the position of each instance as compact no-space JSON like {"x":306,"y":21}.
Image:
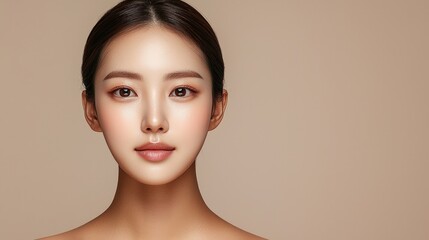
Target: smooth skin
{"x":153,"y":81}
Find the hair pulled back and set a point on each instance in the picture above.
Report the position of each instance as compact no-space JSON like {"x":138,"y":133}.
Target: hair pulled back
{"x":172,"y":14}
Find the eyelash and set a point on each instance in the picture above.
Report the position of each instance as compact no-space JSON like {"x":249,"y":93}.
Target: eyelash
{"x":192,"y":91}
{"x":132,"y":93}
{"x":115,"y":92}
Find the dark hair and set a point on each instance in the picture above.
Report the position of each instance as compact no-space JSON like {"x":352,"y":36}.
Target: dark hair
{"x":172,"y":14}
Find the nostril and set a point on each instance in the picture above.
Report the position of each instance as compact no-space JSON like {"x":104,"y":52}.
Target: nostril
{"x":161,"y":129}
{"x":154,"y":126}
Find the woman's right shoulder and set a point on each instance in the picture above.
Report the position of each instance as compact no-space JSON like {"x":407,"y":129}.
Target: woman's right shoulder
{"x":86,"y":231}
{"x":61,"y":236}
{"x":55,"y":237}
{"x":75,"y":234}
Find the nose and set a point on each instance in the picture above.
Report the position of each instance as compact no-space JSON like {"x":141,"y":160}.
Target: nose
{"x":154,"y":120}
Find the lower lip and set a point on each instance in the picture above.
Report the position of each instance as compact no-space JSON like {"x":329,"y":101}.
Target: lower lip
{"x":155,"y":155}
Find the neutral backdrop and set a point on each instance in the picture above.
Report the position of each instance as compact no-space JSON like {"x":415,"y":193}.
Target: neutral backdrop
{"x":325,"y":137}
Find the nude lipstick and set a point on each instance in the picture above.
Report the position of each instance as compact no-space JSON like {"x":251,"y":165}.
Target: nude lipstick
{"x":155,"y":152}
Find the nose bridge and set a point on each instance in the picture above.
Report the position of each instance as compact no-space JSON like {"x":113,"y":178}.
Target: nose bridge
{"x":154,"y":119}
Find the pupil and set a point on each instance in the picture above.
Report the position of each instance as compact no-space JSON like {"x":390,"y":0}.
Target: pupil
{"x":124,"y":92}
{"x":180,"y":92}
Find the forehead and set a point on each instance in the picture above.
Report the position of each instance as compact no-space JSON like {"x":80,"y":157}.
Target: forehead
{"x":152,"y":49}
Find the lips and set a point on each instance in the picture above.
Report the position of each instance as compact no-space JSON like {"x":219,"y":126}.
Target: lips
{"x":155,"y":152}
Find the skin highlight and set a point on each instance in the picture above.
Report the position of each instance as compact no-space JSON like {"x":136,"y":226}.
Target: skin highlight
{"x":153,"y":107}
{"x":154,"y":81}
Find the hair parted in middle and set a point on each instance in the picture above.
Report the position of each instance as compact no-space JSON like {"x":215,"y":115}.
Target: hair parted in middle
{"x":174,"y":15}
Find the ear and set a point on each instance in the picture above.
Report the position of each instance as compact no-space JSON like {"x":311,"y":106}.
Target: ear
{"x":90,"y":113}
{"x":219,"y":110}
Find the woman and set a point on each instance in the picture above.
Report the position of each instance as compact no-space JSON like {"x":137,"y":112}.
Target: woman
{"x":153,"y":75}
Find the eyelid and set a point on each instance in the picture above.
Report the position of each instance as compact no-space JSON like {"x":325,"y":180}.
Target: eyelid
{"x":187,"y":87}
{"x":115,"y":89}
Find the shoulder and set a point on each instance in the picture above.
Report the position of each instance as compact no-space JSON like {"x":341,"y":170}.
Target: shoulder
{"x":88,"y":231}
{"x":70,"y":235}
{"x":241,"y":234}
{"x":225,"y":230}
{"x":62,"y":236}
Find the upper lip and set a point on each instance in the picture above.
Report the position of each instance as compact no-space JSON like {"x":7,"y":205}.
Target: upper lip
{"x":155,"y":146}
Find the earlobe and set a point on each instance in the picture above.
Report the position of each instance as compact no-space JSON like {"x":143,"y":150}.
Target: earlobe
{"x":90,"y":113}
{"x":219,"y":110}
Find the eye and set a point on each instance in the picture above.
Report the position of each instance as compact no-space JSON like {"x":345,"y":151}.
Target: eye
{"x":182,"y":92}
{"x":124,"y":92}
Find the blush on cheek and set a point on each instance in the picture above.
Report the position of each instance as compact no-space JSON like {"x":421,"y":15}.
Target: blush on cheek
{"x":118,"y":122}
{"x":196,"y":117}
{"x":196,"y":129}
{"x":200,"y":120}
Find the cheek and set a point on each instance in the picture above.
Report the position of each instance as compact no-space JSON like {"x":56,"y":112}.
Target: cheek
{"x":118,"y":121}
{"x":193,"y":120}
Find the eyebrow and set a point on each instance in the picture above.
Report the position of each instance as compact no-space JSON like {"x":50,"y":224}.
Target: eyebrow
{"x":170,"y":76}
{"x":123,"y":74}
{"x":183,"y":74}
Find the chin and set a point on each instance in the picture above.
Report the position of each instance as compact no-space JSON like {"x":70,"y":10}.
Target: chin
{"x":158,"y":175}
{"x":157,"y":181}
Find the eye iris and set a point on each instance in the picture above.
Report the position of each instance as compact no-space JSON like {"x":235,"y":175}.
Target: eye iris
{"x":124,"y":92}
{"x":180,"y":92}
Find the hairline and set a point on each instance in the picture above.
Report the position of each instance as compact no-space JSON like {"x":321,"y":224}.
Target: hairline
{"x":152,"y":24}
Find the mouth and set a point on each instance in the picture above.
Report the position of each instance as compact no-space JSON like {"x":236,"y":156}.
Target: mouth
{"x":155,"y":152}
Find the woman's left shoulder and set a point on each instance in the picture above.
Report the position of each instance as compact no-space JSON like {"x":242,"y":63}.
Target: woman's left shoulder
{"x":247,"y":236}
{"x":230,"y":231}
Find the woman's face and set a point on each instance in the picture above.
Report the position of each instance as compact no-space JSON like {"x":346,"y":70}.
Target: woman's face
{"x":153,"y":85}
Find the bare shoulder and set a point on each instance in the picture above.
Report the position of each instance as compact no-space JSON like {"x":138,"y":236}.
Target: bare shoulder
{"x":61,"y":236}
{"x":225,"y":230}
{"x":241,"y":234}
{"x":77,"y":233}
{"x":89,"y":230}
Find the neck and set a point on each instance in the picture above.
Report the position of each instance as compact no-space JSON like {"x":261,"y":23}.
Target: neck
{"x":170,"y":209}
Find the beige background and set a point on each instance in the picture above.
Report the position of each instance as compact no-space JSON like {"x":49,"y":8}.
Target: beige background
{"x":326,"y":135}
